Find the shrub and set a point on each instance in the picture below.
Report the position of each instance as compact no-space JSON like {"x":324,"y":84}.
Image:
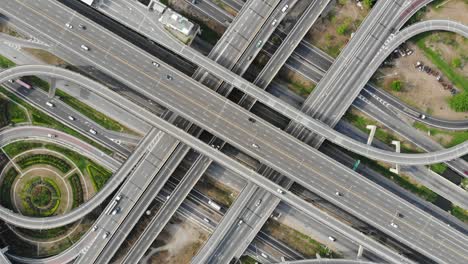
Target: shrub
{"x":343,"y":28}
{"x":368,"y":3}
{"x":459,"y":102}
{"x":456,"y":63}
{"x":6,"y":186}
{"x":99,"y":175}
{"x":396,"y":85}
{"x":56,"y":162}
{"x":77,"y":190}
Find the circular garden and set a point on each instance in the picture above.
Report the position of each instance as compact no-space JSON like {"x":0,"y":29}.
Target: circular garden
{"x":41,"y":197}
{"x":43,"y":179}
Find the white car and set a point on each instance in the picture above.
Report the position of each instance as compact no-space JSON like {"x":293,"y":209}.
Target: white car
{"x":274,"y":22}
{"x":338,"y":194}
{"x":264,"y":255}
{"x":68,"y":25}
{"x":280,"y":191}
{"x":51,"y":135}
{"x":240,"y":222}
{"x":84,"y":47}
{"x":95,"y":228}
{"x":49,"y":104}
{"x":206,"y":220}
{"x":394,"y":225}
{"x":331,"y":238}
{"x":285,"y":7}
{"x":92,"y":131}
{"x":259,"y":201}
{"x":105,"y":235}
{"x":71,"y":118}
{"x":118,"y":198}
{"x":155,"y":64}
{"x":255,"y":145}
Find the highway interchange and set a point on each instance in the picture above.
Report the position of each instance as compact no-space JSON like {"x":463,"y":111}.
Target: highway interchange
{"x":268,"y":150}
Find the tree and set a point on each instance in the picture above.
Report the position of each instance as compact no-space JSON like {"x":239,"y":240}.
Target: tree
{"x":396,"y":85}
{"x":459,"y":102}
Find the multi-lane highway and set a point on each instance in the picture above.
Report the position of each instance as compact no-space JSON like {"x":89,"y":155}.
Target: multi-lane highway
{"x":281,"y":107}
{"x":228,"y":163}
{"x":244,"y":148}
{"x":73,"y":38}
{"x":305,"y":183}
{"x":265,"y":147}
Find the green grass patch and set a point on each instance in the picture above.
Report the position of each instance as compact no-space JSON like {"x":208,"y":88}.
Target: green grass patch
{"x":438,"y":168}
{"x":301,"y":89}
{"x":40,"y":118}
{"x":6,"y":63}
{"x":36,"y":159}
{"x":46,"y":233}
{"x":457,"y":136}
{"x":459,"y":213}
{"x":18,"y":147}
{"x":402,"y":180}
{"x":77,"y":190}
{"x":6,"y":186}
{"x":80,"y":161}
{"x":36,"y":82}
{"x":16,"y":114}
{"x":91,"y":113}
{"x":247,"y":260}
{"x":464,"y":183}
{"x":99,"y":175}
{"x":297,"y":240}
{"x":217,"y":191}
{"x":380,"y":134}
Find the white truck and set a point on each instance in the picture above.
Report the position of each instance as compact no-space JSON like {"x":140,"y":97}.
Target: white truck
{"x":214,"y":205}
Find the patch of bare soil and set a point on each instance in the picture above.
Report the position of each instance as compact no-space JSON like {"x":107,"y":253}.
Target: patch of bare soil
{"x":420,"y":90}
{"x":178,"y":243}
{"x":324,"y":34}
{"x":455,"y":10}
{"x":45,"y":56}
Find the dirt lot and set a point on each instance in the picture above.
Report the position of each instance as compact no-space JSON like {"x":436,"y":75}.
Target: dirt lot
{"x":177,"y":244}
{"x":420,"y":89}
{"x":324,"y":33}
{"x":455,"y":10}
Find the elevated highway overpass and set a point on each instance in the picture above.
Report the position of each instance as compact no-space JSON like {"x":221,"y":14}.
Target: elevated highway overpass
{"x":156,"y":121}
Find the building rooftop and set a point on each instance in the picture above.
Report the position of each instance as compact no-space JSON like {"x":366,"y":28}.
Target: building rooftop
{"x":176,"y":21}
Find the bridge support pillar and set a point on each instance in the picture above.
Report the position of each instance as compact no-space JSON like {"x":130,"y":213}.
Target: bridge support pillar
{"x":360,"y":251}
{"x":397,"y":167}
{"x":52,"y":88}
{"x":372,"y":129}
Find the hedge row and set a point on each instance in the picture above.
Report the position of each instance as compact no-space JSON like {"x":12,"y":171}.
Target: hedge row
{"x":77,"y":189}
{"x":56,"y":162}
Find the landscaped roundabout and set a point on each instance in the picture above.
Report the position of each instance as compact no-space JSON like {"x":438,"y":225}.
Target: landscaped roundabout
{"x":42,"y":179}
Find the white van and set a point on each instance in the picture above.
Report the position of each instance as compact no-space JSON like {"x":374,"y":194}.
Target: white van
{"x":49,"y":104}
{"x":285,"y":7}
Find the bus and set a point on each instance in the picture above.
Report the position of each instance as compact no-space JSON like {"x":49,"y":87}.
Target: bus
{"x":25,"y":85}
